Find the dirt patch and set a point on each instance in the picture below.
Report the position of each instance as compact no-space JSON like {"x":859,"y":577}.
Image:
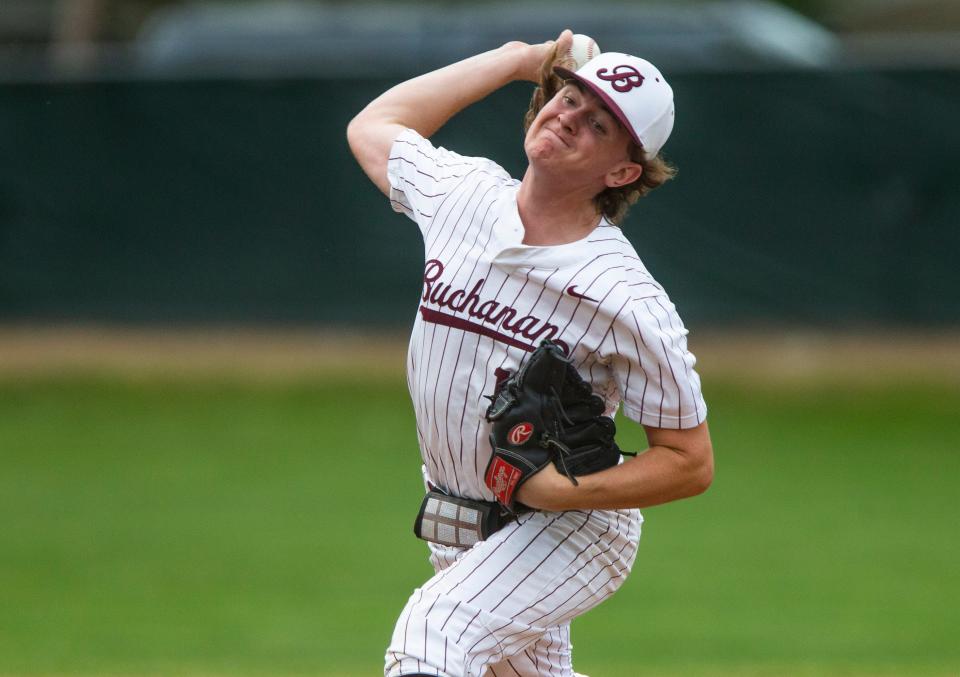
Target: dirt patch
{"x":805,"y":356}
{"x":238,"y":353}
{"x":282,"y":354}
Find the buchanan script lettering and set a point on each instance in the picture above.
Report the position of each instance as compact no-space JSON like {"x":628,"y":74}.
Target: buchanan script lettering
{"x":497,"y":315}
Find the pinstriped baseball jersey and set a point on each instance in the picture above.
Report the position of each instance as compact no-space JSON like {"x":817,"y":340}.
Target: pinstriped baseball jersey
{"x":488,"y":300}
{"x":503,"y":607}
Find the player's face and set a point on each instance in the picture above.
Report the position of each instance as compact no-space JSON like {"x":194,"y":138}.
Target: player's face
{"x":575,"y":132}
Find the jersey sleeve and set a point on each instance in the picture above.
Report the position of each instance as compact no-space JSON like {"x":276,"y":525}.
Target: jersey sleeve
{"x":647,"y":353}
{"x":422,"y":175}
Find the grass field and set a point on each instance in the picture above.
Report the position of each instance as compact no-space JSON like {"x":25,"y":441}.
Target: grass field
{"x":207,"y":526}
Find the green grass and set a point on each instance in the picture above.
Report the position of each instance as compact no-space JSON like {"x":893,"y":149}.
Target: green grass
{"x":204,"y":528}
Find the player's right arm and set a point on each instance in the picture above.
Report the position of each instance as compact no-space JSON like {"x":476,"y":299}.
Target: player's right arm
{"x":425,"y":103}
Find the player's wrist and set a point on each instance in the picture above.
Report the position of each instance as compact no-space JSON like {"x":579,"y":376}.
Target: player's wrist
{"x":517,"y":57}
{"x":526,"y":60}
{"x":548,"y":490}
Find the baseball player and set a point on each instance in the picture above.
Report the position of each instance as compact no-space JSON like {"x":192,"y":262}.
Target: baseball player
{"x":509,"y":264}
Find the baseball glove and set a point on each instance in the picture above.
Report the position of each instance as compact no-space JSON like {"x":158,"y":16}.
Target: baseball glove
{"x":544,"y":413}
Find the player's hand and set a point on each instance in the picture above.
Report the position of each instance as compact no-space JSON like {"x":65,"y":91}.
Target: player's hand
{"x":533,"y":57}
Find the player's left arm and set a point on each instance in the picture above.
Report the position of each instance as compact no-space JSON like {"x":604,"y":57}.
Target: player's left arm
{"x":678,"y":464}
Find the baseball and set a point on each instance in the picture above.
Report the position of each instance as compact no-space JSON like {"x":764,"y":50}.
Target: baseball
{"x":582,"y":49}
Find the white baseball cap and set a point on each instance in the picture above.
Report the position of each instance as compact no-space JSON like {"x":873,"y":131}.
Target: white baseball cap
{"x":635,"y":91}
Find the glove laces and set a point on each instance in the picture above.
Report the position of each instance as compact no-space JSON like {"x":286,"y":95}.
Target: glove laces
{"x":550,"y":440}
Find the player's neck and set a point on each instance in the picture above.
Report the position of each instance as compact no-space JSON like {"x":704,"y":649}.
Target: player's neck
{"x":553,"y":217}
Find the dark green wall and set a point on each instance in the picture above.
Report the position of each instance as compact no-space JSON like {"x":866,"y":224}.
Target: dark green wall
{"x":803,"y":198}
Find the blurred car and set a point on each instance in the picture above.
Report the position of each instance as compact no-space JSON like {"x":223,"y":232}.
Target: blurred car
{"x":358,"y":39}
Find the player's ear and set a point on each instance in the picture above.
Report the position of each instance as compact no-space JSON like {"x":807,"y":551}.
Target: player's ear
{"x":623,"y":174}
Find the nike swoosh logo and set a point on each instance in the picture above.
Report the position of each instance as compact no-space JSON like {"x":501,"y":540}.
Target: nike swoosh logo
{"x":572,"y":290}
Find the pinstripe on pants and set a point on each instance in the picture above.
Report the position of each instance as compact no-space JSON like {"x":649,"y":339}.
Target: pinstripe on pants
{"x":504,"y":606}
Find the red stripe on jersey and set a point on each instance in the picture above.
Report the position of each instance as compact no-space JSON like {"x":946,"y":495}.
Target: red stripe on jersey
{"x":436,"y":317}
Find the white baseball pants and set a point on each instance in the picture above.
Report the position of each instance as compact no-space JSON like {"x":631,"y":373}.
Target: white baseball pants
{"x":503,"y":607}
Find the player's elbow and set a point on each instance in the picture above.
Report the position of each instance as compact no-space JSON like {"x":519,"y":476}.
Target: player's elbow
{"x":370,"y":138}
{"x":364,"y":137}
{"x":356,"y":136}
{"x":701,"y":471}
{"x":694,"y":457}
{"x":371,"y":133}
{"x":695,"y":467}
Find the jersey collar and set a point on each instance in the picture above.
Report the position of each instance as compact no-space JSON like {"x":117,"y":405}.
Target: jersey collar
{"x":507,"y":241}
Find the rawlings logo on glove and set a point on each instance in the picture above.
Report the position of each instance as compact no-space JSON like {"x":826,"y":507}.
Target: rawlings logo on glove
{"x":545,"y":413}
{"x":502,"y":478}
{"x":520,"y":433}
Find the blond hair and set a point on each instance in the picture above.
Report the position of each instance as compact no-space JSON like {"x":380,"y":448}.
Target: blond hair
{"x":613,"y":203}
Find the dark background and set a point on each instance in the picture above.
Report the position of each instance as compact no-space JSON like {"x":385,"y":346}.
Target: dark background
{"x":816,"y":198}
{"x":184,"y":163}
